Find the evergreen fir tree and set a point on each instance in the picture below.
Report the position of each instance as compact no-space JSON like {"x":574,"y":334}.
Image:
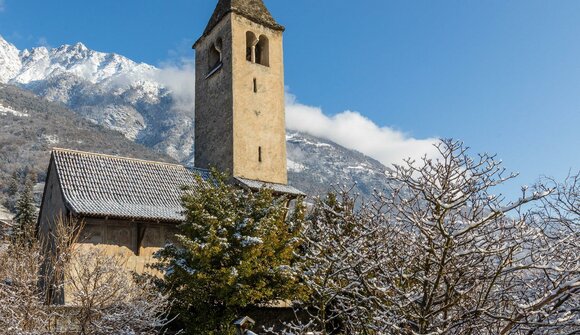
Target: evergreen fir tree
{"x":13,"y":185}
{"x":236,"y":249}
{"x":26,"y":215}
{"x":12,"y":192}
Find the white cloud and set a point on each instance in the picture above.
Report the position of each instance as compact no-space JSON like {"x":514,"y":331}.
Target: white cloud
{"x":177,"y":73}
{"x":355,"y":131}
{"x":349,"y":129}
{"x":179,"y":77}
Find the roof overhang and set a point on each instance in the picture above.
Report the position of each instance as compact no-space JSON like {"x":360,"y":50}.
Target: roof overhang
{"x":281,"y":189}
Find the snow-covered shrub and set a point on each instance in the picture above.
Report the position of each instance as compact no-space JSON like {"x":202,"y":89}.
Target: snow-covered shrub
{"x":22,"y":309}
{"x":440,"y":253}
{"x":108,"y":299}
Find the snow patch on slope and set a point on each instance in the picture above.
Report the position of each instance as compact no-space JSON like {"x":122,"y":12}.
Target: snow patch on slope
{"x":92,"y":66}
{"x":6,"y":110}
{"x":51,"y":139}
{"x":295,"y":167}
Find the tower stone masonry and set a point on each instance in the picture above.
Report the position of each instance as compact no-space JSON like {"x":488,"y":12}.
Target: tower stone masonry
{"x":239,"y":104}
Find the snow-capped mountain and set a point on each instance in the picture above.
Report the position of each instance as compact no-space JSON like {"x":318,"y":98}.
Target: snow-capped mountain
{"x":10,"y":63}
{"x":95,"y":67}
{"x":137,"y":100}
{"x":107,"y":89}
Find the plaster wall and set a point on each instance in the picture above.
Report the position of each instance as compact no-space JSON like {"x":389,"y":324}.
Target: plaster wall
{"x":259,"y":117}
{"x":214,"y":103}
{"x":132,"y":243}
{"x":53,"y":205}
{"x":235,"y":125}
{"x":53,"y":208}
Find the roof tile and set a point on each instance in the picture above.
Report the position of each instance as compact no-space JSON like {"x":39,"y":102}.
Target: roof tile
{"x":276,"y":188}
{"x":109,"y":186}
{"x":118,"y":187}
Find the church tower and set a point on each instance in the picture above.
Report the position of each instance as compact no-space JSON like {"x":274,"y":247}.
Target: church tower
{"x":239,"y":103}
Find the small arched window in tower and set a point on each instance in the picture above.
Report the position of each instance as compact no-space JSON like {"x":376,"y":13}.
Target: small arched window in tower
{"x":215,"y":55}
{"x":251,"y":42}
{"x":255,"y":85}
{"x":260,"y":154}
{"x":263,"y":51}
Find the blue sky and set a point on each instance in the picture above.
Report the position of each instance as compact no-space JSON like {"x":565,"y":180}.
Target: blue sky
{"x":503,"y":76}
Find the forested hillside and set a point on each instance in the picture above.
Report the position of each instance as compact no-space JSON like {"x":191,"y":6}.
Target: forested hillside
{"x":31,"y":126}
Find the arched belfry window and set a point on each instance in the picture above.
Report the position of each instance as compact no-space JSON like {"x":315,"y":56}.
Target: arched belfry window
{"x":251,"y":42}
{"x":257,"y":49}
{"x":215,"y":55}
{"x":263,"y":51}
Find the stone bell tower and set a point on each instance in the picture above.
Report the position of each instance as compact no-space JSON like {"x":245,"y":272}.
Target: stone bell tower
{"x":239,"y":103}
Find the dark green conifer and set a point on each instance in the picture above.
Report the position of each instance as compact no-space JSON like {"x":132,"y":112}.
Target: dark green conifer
{"x":235,"y":250}
{"x":26,"y":214}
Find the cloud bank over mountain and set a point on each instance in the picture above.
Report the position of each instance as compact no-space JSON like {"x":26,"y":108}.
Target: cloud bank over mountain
{"x":355,"y":131}
{"x":179,"y":77}
{"x":349,"y":129}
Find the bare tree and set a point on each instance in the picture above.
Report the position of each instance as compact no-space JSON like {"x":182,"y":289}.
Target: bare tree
{"x":103,"y":297}
{"x":21,"y":300}
{"x":343,"y":250}
{"x":109,"y":299}
{"x":470,"y":263}
{"x":440,"y":253}
{"x":58,"y":250}
{"x":552,"y":299}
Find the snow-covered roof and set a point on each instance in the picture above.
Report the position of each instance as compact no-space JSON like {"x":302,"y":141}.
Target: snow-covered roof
{"x":118,"y":187}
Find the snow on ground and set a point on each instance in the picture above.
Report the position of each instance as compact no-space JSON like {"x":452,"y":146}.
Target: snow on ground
{"x":7,"y":110}
{"x":51,"y":139}
{"x":293,"y":137}
{"x":361,"y":168}
{"x":5,"y":214}
{"x":295,"y":167}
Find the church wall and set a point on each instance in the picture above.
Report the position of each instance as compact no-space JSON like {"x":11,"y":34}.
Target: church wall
{"x":121,"y":238}
{"x":53,"y":208}
{"x":53,"y":205}
{"x":214,"y":101}
{"x":259,"y":116}
{"x":118,"y":237}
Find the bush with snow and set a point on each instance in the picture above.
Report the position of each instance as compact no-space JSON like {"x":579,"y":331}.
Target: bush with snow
{"x":441,"y":254}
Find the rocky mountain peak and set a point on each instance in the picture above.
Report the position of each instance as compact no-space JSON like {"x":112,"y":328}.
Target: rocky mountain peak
{"x":37,"y":64}
{"x":10,"y":63}
{"x":79,"y":47}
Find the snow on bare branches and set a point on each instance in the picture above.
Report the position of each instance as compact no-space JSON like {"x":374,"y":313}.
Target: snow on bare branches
{"x":109,"y":300}
{"x":440,"y":253}
{"x":21,"y":302}
{"x":106,"y":298}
